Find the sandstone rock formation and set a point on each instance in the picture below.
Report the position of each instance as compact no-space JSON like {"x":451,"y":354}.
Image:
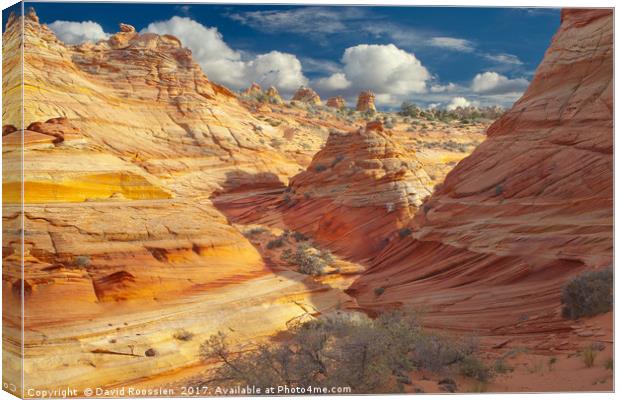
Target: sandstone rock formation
{"x":529,"y":208}
{"x":336,"y":102}
{"x":126,"y":139}
{"x":307,"y":95}
{"x":253,"y":90}
{"x":273,"y":96}
{"x":366,"y":101}
{"x":358,"y":188}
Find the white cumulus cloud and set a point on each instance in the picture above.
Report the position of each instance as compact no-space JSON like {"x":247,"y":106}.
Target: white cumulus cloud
{"x":336,"y":81}
{"x":457,"y":102}
{"x":437,"y":88}
{"x":494,"y":83}
{"x":384,"y":69}
{"x":73,"y":32}
{"x":225,"y":65}
{"x":451,"y":43}
{"x":504,"y":58}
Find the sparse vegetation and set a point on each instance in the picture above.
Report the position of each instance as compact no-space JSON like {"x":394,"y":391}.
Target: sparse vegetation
{"x":473,"y":367}
{"x":609,"y":364}
{"x":320,"y":168}
{"x":552,"y":361}
{"x":256,"y":231}
{"x":500,"y":366}
{"x":183,"y":335}
{"x":82,"y":261}
{"x":277,"y":242}
{"x":404,"y":232}
{"x":379,"y":291}
{"x":588,"y":355}
{"x":308,"y":259}
{"x":341,"y":349}
{"x":588,"y":294}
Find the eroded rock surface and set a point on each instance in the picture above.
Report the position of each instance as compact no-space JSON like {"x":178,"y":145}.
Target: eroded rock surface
{"x":529,"y":208}
{"x":125,"y":141}
{"x":307,"y":95}
{"x":366,"y":101}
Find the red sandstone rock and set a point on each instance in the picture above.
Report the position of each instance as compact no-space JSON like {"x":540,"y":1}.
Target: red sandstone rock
{"x":336,"y":102}
{"x":307,"y":95}
{"x":529,"y":208}
{"x":253,"y":90}
{"x":360,"y":187}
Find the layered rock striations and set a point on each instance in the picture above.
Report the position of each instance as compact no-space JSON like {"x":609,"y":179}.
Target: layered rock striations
{"x":125,"y":140}
{"x":366,"y":101}
{"x":273,"y":96}
{"x":529,"y":208}
{"x":358,"y":189}
{"x":336,"y":102}
{"x":307,"y":96}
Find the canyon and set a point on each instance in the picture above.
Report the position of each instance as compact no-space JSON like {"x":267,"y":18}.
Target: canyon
{"x":158,"y":205}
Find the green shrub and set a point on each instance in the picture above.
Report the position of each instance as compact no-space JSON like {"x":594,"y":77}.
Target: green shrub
{"x":299,"y":237}
{"x":308,"y":259}
{"x":334,"y":350}
{"x":183,"y":335}
{"x":276,"y":243}
{"x":588,"y":355}
{"x":501,"y":367}
{"x":82,"y":261}
{"x":320,"y":168}
{"x":472,"y":367}
{"x":404,"y":232}
{"x":588,"y":294}
{"x":379,"y":291}
{"x":256,"y":231}
{"x":609,"y":364}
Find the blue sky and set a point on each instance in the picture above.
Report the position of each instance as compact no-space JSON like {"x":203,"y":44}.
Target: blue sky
{"x":424,"y":54}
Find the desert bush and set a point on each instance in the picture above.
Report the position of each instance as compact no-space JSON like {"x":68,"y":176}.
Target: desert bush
{"x":500,"y":366}
{"x":276,"y":243}
{"x":183,"y":335}
{"x":552,"y":361}
{"x":299,"y":237}
{"x":404,"y":232}
{"x":473,"y":367}
{"x":588,"y":294}
{"x":333,"y":350}
{"x":379,"y":291}
{"x":256,"y":231}
{"x":588,"y":355}
{"x":435,"y":352}
{"x":82,"y":261}
{"x":320,"y":168}
{"x":308,"y":259}
{"x":609,"y":364}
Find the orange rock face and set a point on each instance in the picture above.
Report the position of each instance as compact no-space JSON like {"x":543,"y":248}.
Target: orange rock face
{"x":366,"y":101}
{"x":125,"y":140}
{"x":359,"y":187}
{"x":307,"y":95}
{"x":529,"y":208}
{"x":336,"y":102}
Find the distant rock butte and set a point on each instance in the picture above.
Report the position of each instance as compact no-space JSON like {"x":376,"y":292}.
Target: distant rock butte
{"x":529,"y":208}
{"x":307,"y":95}
{"x":253,"y":90}
{"x":273,"y":96}
{"x":336,"y":102}
{"x":360,"y":187}
{"x":366,"y":101}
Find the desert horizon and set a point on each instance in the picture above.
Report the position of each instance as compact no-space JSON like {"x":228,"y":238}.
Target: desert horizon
{"x":224,"y":200}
